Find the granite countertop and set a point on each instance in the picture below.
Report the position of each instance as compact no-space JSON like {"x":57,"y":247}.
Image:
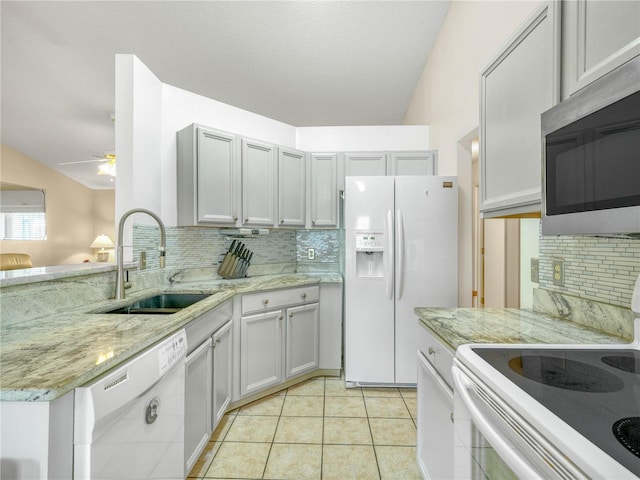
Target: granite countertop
{"x":44,"y":358}
{"x":458,"y":326}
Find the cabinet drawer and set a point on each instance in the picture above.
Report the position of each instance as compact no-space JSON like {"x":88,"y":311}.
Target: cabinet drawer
{"x":260,"y":302}
{"x":207,"y":323}
{"x":439,"y":355}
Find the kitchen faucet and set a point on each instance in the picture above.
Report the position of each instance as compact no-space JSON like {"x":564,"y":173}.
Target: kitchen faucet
{"x":119,"y":271}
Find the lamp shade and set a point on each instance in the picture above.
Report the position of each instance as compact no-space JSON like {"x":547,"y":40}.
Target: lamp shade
{"x":102,"y":241}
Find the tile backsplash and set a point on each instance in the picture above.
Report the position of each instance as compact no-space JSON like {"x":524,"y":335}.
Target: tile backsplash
{"x":197,"y":247}
{"x":595,"y":268}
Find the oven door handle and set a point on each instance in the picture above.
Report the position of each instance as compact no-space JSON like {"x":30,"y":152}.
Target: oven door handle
{"x":506,"y":451}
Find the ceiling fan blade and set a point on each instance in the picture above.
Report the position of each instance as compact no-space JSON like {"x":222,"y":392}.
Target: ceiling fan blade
{"x":83,"y":161}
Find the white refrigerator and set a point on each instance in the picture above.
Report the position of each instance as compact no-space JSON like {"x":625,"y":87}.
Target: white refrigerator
{"x":401,"y":249}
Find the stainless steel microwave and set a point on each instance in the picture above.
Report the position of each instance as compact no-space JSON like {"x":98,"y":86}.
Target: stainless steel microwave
{"x":591,"y":158}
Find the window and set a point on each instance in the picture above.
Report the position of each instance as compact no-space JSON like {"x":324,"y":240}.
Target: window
{"x":22,"y":226}
{"x":22,"y":214}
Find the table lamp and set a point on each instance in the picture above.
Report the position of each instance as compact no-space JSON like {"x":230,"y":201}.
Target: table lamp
{"x":102,"y":241}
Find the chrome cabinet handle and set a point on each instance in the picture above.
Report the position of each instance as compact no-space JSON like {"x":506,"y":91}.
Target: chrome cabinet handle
{"x":431,"y":351}
{"x":281,"y":221}
{"x":246,"y":220}
{"x":313,"y":222}
{"x":265,"y":301}
{"x":303,"y":295}
{"x":280,"y":317}
{"x":290,"y":315}
{"x":451,"y":417}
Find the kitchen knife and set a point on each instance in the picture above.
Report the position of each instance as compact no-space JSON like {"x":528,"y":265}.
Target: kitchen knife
{"x":246,"y":265}
{"x":238,"y":265}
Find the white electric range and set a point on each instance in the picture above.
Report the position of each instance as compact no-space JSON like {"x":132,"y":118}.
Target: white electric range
{"x":548,"y":411}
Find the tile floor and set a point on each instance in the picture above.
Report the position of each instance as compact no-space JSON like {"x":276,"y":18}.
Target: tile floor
{"x":317,"y":429}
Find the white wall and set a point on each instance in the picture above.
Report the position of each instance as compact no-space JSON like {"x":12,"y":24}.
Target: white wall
{"x":138,"y":136}
{"x":350,"y":139}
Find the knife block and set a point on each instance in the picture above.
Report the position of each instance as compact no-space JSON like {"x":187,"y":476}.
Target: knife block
{"x":233,"y":266}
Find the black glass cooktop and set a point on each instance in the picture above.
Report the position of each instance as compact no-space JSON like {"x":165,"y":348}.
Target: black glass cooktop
{"x":596,"y":391}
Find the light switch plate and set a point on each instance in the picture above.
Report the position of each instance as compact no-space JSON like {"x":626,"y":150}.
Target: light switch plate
{"x":311,"y":254}
{"x":558,"y":272}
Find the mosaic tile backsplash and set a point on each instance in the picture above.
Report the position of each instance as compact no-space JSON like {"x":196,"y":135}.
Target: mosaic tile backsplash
{"x":196,"y":247}
{"x":595,"y":268}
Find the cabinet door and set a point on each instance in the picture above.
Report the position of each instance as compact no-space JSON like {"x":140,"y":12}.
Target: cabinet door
{"x":435,"y":423}
{"x":258,"y":183}
{"x":217,"y":177}
{"x":597,"y":37}
{"x":414,"y":163}
{"x":519,"y":84}
{"x":365,"y":164}
{"x":197,"y":421}
{"x":324,"y":190}
{"x":222,"y":372}
{"x":260,"y":351}
{"x":302,"y":339}
{"x":291,"y":188}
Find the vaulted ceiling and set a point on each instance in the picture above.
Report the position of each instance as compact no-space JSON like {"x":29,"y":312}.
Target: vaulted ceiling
{"x":305,"y":63}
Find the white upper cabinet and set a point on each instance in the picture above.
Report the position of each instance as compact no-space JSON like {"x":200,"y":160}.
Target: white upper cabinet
{"x":413,"y":163}
{"x":597,"y":37}
{"x":291,"y":188}
{"x":208,"y":177}
{"x":258,"y":183}
{"x":225,"y":180}
{"x":520,"y":83}
{"x":365,"y":164}
{"x":324,"y":190}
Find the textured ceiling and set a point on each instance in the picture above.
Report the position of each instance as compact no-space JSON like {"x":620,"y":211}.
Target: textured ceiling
{"x":305,"y":63}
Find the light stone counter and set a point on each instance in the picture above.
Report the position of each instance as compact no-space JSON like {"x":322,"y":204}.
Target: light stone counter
{"x":458,"y":326}
{"x":44,"y":358}
{"x":10,"y":278}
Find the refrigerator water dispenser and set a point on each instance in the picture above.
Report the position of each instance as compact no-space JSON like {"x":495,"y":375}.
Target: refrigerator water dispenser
{"x":369,"y":254}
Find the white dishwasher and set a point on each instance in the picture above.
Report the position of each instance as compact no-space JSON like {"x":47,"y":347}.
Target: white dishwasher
{"x":129,"y":424}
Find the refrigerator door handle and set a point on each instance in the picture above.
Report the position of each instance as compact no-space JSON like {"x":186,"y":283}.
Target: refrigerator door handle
{"x":400,"y":266}
{"x":389,"y":255}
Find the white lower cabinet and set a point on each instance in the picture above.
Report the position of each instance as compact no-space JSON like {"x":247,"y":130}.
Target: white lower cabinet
{"x":302,"y":339}
{"x":435,"y":409}
{"x":273,"y":350}
{"x":260,"y":351}
{"x":282,"y":340}
{"x":207,"y":378}
{"x":222,"y":374}
{"x":197,"y":420}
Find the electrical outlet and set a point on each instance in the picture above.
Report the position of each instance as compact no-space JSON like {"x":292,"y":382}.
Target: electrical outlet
{"x":558,"y":272}
{"x":535,"y":270}
{"x":311,"y":254}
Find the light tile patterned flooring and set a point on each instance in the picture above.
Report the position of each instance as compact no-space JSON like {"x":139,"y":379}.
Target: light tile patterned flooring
{"x":317,"y":429}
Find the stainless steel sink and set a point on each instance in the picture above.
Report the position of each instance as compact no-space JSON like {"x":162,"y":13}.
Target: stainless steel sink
{"x":163,"y":304}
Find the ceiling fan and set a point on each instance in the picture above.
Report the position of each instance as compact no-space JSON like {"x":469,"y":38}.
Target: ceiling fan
{"x":108,"y":166}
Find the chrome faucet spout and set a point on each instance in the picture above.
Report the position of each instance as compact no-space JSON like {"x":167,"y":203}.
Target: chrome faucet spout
{"x":120,"y":268}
